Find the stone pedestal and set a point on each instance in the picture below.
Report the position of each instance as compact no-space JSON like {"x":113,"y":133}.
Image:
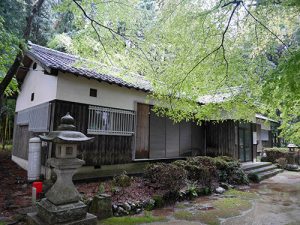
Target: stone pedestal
{"x":89,"y":219}
{"x":64,"y":191}
{"x":62,"y":204}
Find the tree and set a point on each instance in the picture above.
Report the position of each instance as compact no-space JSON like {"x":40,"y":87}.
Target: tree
{"x":12,"y":48}
{"x":189,"y":49}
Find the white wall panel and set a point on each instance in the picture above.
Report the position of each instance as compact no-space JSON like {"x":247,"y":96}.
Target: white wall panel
{"x":43,"y":86}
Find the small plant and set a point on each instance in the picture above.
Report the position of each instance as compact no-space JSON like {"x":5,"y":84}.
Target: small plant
{"x":101,"y":189}
{"x":122,"y":180}
{"x":192,"y":190}
{"x":282,"y":162}
{"x":159,"y":201}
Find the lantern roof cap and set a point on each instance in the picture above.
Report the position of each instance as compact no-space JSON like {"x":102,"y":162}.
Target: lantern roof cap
{"x":291,"y":145}
{"x":66,"y":132}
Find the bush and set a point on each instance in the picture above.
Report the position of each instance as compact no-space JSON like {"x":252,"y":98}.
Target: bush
{"x":253,"y":177}
{"x":122,"y":180}
{"x":272,"y":154}
{"x":229,"y":170}
{"x":201,"y":169}
{"x":281,"y":162}
{"x":166,"y":176}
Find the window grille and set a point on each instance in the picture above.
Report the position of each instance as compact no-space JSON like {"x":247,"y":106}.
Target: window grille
{"x":108,"y":121}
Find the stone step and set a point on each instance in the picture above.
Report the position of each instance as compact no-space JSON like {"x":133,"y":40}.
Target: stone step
{"x":252,"y":166}
{"x":268,"y":174}
{"x":261,"y":169}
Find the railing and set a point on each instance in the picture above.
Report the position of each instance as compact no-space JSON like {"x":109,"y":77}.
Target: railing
{"x":109,"y":121}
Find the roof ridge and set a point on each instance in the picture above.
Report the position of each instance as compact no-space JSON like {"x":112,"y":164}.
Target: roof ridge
{"x":53,"y":50}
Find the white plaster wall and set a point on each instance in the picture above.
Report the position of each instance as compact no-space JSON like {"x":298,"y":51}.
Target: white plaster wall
{"x":77,"y":89}
{"x":43,"y":86}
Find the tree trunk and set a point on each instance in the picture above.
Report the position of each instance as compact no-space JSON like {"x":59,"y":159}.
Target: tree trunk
{"x":26,"y":34}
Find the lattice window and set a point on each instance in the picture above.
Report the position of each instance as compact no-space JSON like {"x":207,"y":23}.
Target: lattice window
{"x":108,"y":121}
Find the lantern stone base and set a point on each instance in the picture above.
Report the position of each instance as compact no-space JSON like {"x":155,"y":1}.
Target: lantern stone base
{"x":72,"y":213}
{"x":89,"y":219}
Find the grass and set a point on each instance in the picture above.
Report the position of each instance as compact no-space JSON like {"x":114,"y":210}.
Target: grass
{"x":132,"y":220}
{"x":2,"y":223}
{"x":223,"y":208}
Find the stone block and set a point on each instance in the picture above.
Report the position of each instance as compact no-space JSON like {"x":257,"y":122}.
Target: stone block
{"x":62,"y":213}
{"x":89,"y":219}
{"x":101,"y":206}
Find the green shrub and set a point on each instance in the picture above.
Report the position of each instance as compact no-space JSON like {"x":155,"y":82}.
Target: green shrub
{"x":122,"y":180}
{"x":229,"y":170}
{"x":253,"y":177}
{"x":281,"y":162}
{"x":166,"y":176}
{"x":272,"y":154}
{"x":159,"y":201}
{"x":201,"y":169}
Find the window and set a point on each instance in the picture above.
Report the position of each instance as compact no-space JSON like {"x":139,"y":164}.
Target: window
{"x":32,"y":97}
{"x":93,"y":92}
{"x":109,"y":121}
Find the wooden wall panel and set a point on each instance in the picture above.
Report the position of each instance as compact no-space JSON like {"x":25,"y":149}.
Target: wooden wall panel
{"x":142,"y":131}
{"x":105,"y":149}
{"x":157,"y":136}
{"x":21,"y":141}
{"x":172,"y":138}
{"x":185,"y":138}
{"x":221,"y":139}
{"x":198,"y":139}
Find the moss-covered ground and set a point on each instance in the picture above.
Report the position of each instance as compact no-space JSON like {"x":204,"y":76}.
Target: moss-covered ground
{"x":147,"y":217}
{"x":222,"y":208}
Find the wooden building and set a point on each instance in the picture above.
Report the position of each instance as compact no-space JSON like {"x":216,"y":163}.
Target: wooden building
{"x":117,"y":113}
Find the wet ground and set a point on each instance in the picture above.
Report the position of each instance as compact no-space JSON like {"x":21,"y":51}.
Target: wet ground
{"x":275,"y":201}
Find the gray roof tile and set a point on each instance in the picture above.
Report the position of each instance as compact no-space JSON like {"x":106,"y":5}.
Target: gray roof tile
{"x":64,"y":62}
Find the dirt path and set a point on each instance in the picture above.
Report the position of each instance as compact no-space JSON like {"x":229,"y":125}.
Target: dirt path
{"x":14,"y":192}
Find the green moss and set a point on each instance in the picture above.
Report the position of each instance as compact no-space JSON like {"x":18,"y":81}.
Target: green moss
{"x":206,"y":217}
{"x":241,"y":194}
{"x":229,"y":207}
{"x":132,"y":220}
{"x":180,"y":205}
{"x":223,"y":208}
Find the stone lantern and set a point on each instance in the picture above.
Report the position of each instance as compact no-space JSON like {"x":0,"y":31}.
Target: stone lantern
{"x":292,"y":147}
{"x":62,"y":204}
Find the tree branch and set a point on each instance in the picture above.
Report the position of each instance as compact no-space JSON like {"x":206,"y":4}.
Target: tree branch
{"x":221,"y":46}
{"x":264,"y":26}
{"x":114,"y":33}
{"x":99,"y":38}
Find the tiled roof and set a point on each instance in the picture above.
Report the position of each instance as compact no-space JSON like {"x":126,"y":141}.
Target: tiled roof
{"x":53,"y":59}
